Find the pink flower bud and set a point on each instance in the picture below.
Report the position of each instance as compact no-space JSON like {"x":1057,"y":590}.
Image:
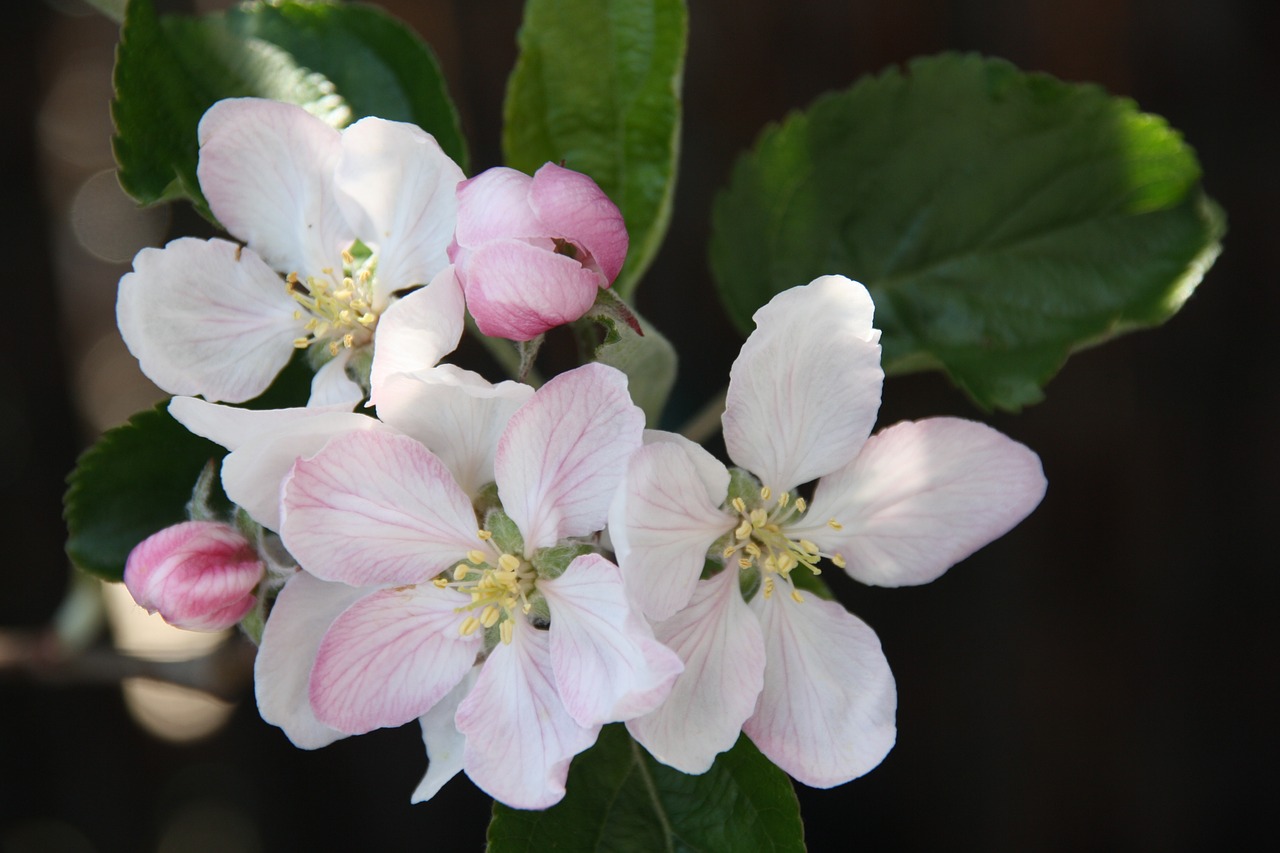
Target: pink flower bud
{"x":198,"y":575}
{"x":531,"y":253}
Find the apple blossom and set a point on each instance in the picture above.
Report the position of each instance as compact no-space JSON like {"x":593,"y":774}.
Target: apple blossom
{"x":560,"y":649}
{"x":532,"y":253}
{"x":198,"y":575}
{"x":334,"y":224}
{"x":803,"y":678}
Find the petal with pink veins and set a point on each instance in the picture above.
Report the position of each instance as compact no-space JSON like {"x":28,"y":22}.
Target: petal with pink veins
{"x":805,"y":389}
{"x":573,"y":207}
{"x":826,"y":713}
{"x":206,"y":317}
{"x":391,"y":656}
{"x":331,"y":386}
{"x":922,"y":496}
{"x":417,"y":331}
{"x":444,"y":743}
{"x":520,"y":738}
{"x":608,"y":666}
{"x":375,"y":508}
{"x":494,"y":205}
{"x":564,"y":453}
{"x":518,"y":291}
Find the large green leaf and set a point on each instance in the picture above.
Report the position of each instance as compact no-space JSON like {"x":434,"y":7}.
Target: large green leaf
{"x":339,"y":62}
{"x":620,"y":800}
{"x":597,"y":87}
{"x":1000,"y":219}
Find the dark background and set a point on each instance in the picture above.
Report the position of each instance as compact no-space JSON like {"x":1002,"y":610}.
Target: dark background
{"x":1102,"y":678}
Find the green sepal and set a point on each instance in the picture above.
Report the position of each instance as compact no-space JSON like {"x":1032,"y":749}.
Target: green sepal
{"x":634,"y":346}
{"x":506,"y":535}
{"x":551,"y":562}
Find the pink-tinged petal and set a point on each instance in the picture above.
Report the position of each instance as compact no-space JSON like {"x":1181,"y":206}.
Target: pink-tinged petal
{"x":804,"y":391}
{"x":518,"y":291}
{"x":267,"y":170}
{"x":303,"y":611}
{"x":206,"y":317}
{"x":922,"y":496}
{"x":417,"y":331}
{"x":718,"y":638}
{"x":564,"y":453}
{"x":231,"y":426}
{"x":252,"y":473}
{"x":331,"y":387}
{"x":375,"y":508}
{"x":494,"y":205}
{"x":391,"y":656}
{"x":456,"y":414}
{"x":608,"y":667}
{"x":826,"y":713}
{"x":397,"y":187}
{"x":445,"y":744}
{"x":662,"y":521}
{"x":520,"y":738}
{"x":198,"y":575}
{"x":574,"y":208}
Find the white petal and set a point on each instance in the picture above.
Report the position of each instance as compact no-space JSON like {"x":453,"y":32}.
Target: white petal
{"x":417,"y":331}
{"x":205,"y":317}
{"x":231,"y":426}
{"x":397,"y":187}
{"x":331,"y":387}
{"x":376,"y":508}
{"x":520,"y":738}
{"x":826,"y":714}
{"x":718,"y":638}
{"x":564,"y":453}
{"x":608,"y":666}
{"x":456,"y":414}
{"x":444,"y":743}
{"x":303,"y":611}
{"x":253,"y":472}
{"x":804,"y":391}
{"x":391,"y":656}
{"x":267,"y":170}
{"x":662,"y":521}
{"x":922,"y":496}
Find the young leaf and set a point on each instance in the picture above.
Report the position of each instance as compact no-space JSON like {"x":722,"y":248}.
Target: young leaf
{"x":621,"y":800}
{"x":597,"y":88}
{"x":1000,"y":219}
{"x":339,"y":62}
{"x":136,"y":480}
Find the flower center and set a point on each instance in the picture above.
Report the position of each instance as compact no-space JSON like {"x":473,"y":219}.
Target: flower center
{"x":760,"y":541}
{"x":341,"y":313}
{"x":498,"y":588}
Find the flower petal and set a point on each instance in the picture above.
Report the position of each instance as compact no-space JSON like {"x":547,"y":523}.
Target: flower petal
{"x":456,"y":414}
{"x":205,"y":317}
{"x":608,"y":667}
{"x":391,"y":656}
{"x":518,"y":291}
{"x":573,"y":207}
{"x":564,"y":453}
{"x":232,"y":426}
{"x":397,"y":188}
{"x":718,"y":638}
{"x":826,"y":713}
{"x":331,"y":387}
{"x":375,"y":508}
{"x":417,"y":331}
{"x":662,"y":521}
{"x":302,"y":612}
{"x":922,"y":496}
{"x":444,"y":743}
{"x":495,"y":205}
{"x":804,"y":391}
{"x":266,"y":168}
{"x":520,"y":738}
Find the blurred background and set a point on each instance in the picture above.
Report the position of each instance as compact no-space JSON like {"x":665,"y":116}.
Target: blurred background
{"x":1104,"y":677}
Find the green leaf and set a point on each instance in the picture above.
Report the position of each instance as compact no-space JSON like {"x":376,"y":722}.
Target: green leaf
{"x":136,"y":480}
{"x":648,"y":359}
{"x":597,"y":87}
{"x":338,"y":62}
{"x":1001,"y":219}
{"x":620,"y":800}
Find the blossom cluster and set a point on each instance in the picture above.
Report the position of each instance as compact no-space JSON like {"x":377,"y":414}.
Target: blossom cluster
{"x":516,"y":567}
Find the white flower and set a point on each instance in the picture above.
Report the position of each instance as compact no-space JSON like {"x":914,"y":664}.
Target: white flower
{"x":334,"y":225}
{"x":803,"y":678}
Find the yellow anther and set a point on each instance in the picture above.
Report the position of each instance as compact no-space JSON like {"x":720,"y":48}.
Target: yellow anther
{"x":484,"y":535}
{"x":301,"y":343}
{"x":834,"y":525}
{"x":506,"y":631}
{"x":291,"y":278}
{"x":468,"y":626}
{"x":838,"y":559}
{"x":753,"y":549}
{"x":368,"y":318}
{"x":476,"y":556}
{"x":739,"y":505}
{"x":440,"y":582}
{"x":508,"y":562}
{"x":745,"y":562}
{"x":489,"y":616}
{"x":759,"y":518}
{"x":346,"y":293}
{"x":347,"y":257}
{"x":297,"y":315}
{"x":796,"y":596}
{"x":333,"y":347}
{"x":528,"y":605}
{"x":364,"y":276}
{"x":809,"y":548}
{"x":801,"y":504}
{"x":768,"y":588}
{"x":765,"y":493}
{"x":348,"y":340}
{"x":728,"y":551}
{"x":743,"y":530}
{"x":784,"y":499}
{"x":460,"y":571}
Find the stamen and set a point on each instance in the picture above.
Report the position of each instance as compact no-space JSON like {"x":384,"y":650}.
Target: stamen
{"x":484,"y":535}
{"x":739,"y":505}
{"x":784,"y":499}
{"x":743,"y":530}
{"x":838,"y":559}
{"x":765,"y":493}
{"x":508,"y":563}
{"x":506,"y":631}
{"x":468,"y":626}
{"x":796,"y":596}
{"x":440,"y":582}
{"x":476,"y":557}
{"x":834,"y":525}
{"x":801,"y":504}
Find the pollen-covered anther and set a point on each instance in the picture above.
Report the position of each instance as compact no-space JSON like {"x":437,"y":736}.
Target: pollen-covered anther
{"x":839,"y":560}
{"x":743,"y":530}
{"x":506,"y":631}
{"x":801,"y":505}
{"x":834,"y":525}
{"x":440,"y":582}
{"x":484,"y":535}
{"x":468,"y":626}
{"x":765,"y":493}
{"x":509,"y":563}
{"x":476,"y":556}
{"x":796,"y":596}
